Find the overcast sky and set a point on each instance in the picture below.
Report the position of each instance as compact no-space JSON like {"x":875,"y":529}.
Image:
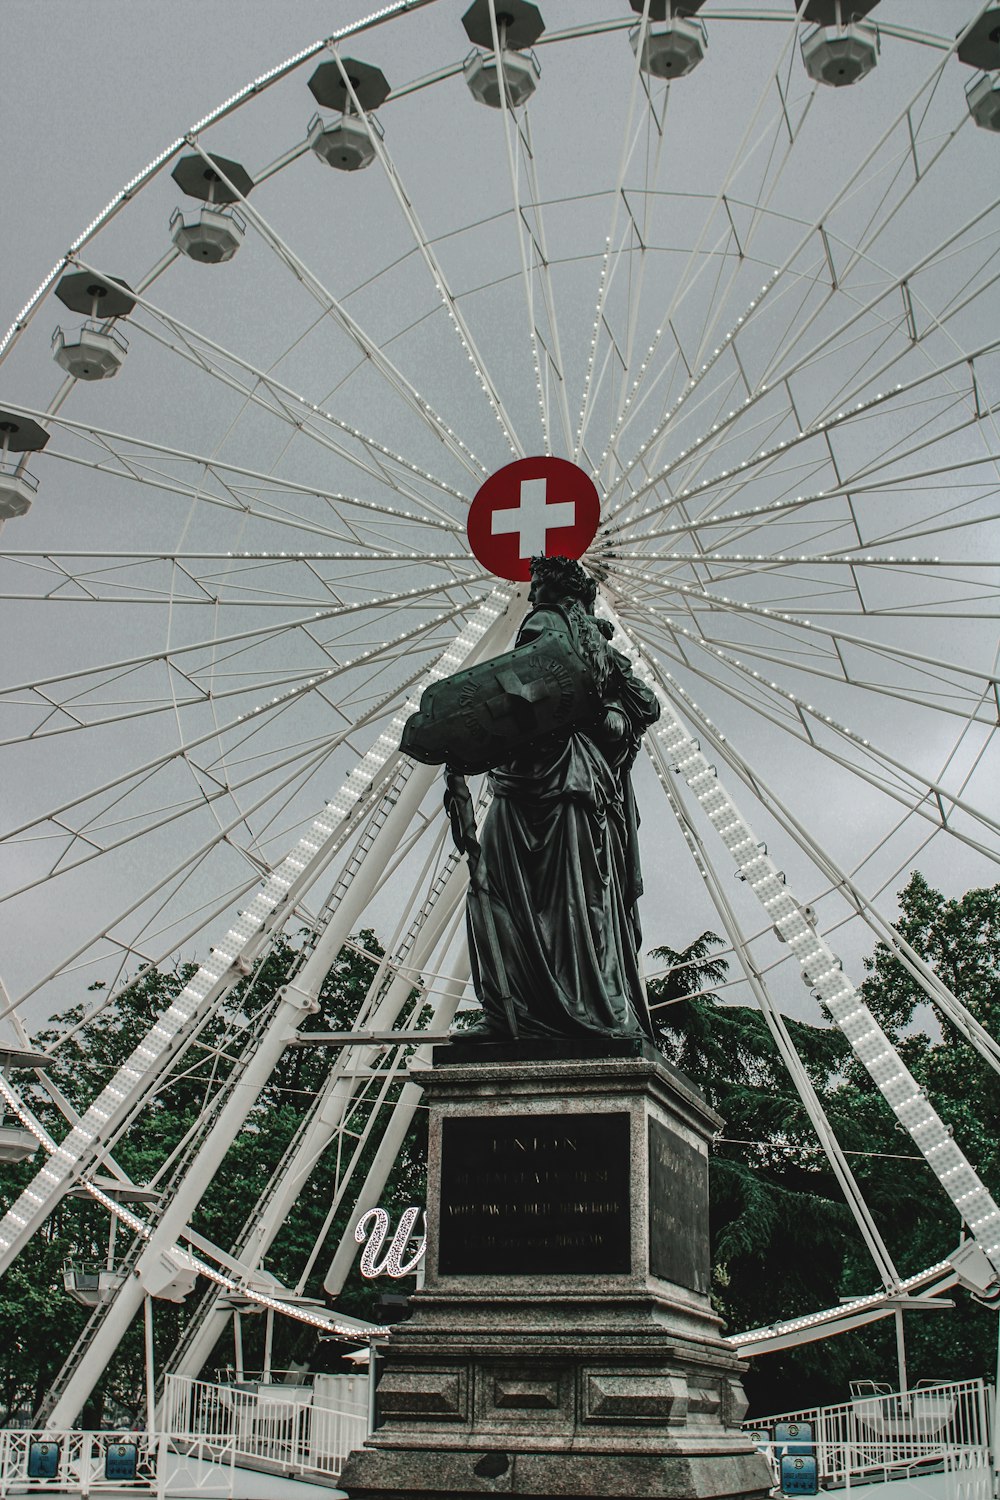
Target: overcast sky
{"x":93,"y":89}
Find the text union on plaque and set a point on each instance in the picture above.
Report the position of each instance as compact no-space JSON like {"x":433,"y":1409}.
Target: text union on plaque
{"x":535,"y":1195}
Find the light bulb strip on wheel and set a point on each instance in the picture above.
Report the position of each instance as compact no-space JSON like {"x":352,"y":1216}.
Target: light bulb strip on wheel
{"x":823,"y":971}
{"x":780,"y":1034}
{"x":71,"y":1156}
{"x":878,"y":1304}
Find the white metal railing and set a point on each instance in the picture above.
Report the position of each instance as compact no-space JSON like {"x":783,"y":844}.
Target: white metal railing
{"x":303,"y":1429}
{"x":76,"y":1461}
{"x":895,"y":1435}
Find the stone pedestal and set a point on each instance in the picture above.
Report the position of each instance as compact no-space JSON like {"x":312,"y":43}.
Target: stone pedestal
{"x":564,"y":1343}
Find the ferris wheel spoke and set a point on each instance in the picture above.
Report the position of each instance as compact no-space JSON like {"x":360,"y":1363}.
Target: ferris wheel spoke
{"x":368,"y":346}
{"x":753,"y":134}
{"x":838,"y":635}
{"x":869,"y":586}
{"x":778,"y":373}
{"x":224,"y":587}
{"x":177,"y":874}
{"x":295,"y":410}
{"x":90,"y":708}
{"x":630,"y":135}
{"x":247,"y":722}
{"x":252,"y":90}
{"x":225,"y":469}
{"x":426,"y":248}
{"x":923,"y":797}
{"x":780,"y":452}
{"x":554,"y":362}
{"x":930,"y":691}
{"x":303,"y":761}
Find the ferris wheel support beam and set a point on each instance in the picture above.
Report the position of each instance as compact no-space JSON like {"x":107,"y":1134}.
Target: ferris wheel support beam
{"x":779,"y":1031}
{"x":489,"y":627}
{"x":338,"y":1086}
{"x":297,"y":1001}
{"x":333,"y":1108}
{"x":931,"y":983}
{"x":219,"y":972}
{"x":824,"y":972}
{"x":402,"y":1117}
{"x":922,"y":787}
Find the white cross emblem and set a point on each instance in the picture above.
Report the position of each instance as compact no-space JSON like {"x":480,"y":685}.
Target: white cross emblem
{"x":533,"y":517}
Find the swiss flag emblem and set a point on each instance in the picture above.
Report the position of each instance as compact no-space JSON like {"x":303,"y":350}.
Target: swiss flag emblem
{"x":534,"y":507}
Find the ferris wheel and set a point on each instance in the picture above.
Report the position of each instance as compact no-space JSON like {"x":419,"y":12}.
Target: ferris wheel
{"x":738,"y":264}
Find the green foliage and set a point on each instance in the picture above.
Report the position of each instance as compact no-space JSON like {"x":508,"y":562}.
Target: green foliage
{"x":783,"y":1240}
{"x":38,"y":1320}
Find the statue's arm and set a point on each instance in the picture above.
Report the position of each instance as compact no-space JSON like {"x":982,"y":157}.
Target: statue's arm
{"x":639,"y":703}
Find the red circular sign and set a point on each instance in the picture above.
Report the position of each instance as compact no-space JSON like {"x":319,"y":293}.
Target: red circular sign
{"x":534,"y":507}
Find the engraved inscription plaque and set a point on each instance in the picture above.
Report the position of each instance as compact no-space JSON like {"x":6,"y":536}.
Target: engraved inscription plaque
{"x":678,"y":1210}
{"x":535,"y":1195}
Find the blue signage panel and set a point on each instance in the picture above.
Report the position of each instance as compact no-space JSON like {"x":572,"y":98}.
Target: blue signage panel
{"x":120,"y":1461}
{"x":793,"y":1437}
{"x":43,"y":1460}
{"x":798,"y":1474}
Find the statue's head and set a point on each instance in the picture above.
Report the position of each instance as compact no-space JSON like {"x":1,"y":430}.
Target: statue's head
{"x":557,"y":578}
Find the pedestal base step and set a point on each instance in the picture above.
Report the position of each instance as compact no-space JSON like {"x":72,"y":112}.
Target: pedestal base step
{"x":438,"y":1475}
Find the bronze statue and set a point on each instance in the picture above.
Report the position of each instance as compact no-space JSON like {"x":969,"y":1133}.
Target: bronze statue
{"x":554,"y":876}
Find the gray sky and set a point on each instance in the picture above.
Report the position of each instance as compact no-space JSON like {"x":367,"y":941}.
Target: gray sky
{"x":92,"y":91}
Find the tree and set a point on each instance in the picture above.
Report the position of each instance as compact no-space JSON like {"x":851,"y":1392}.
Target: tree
{"x":772,"y":1191}
{"x":960,"y":940}
{"x":38,"y":1322}
{"x":771,"y":1188}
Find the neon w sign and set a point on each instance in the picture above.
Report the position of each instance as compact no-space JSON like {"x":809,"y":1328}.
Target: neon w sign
{"x":392,"y":1263}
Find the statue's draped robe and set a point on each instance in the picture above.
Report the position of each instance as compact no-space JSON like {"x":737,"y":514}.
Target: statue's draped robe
{"x":562,"y":862}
